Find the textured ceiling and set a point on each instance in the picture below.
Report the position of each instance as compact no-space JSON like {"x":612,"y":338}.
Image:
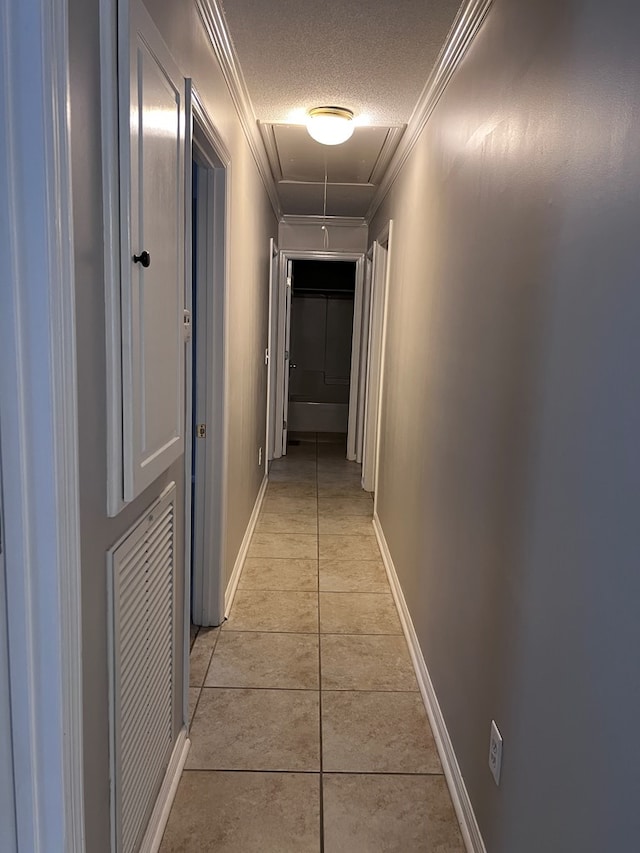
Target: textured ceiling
{"x":372,"y":56}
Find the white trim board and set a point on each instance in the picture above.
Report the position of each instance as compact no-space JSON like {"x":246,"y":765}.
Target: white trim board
{"x":160,"y":815}
{"x":211,"y":323}
{"x":232,"y":586}
{"x":39,"y":427}
{"x":316,"y":219}
{"x":461,"y":802}
{"x":215,"y":25}
{"x":465,"y":28}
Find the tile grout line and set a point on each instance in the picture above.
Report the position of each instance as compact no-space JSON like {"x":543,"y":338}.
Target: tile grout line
{"x":319,"y":666}
{"x":314,"y":772}
{"x":304,"y":689}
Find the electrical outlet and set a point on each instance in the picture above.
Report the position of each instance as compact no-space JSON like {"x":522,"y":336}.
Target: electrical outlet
{"x":259,"y":456}
{"x":495,"y":752}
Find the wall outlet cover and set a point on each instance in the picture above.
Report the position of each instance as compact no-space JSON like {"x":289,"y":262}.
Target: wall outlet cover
{"x":495,"y":752}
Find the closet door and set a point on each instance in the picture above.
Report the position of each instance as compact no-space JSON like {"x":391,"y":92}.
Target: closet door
{"x":152,"y":146}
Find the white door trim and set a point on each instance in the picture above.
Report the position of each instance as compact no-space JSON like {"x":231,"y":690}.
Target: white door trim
{"x":356,"y":348}
{"x":364,"y":351}
{"x":8,"y":840}
{"x":111,"y":242}
{"x":375,"y":359}
{"x":274,"y":261}
{"x":287,"y":255}
{"x":384,"y":240}
{"x":38,"y":427}
{"x":208,"y":592}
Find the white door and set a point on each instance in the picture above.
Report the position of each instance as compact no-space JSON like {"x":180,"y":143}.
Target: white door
{"x":364,"y":354}
{"x":152,"y":143}
{"x":376,"y":322}
{"x":271,"y":352}
{"x":287,"y":360}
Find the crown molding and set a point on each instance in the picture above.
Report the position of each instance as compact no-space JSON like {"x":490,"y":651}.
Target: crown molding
{"x":215,"y":25}
{"x":465,"y":28}
{"x":313,"y":219}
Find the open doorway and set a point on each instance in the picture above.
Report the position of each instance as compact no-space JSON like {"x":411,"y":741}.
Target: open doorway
{"x":322,"y":302}
{"x":319,"y":347}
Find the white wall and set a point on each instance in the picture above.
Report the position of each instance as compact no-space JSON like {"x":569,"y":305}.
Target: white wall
{"x":510,"y":473}
{"x":342,"y":238}
{"x":252,"y":223}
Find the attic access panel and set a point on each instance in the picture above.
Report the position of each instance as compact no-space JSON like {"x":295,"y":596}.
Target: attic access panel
{"x":303,"y":159}
{"x":324,"y":277}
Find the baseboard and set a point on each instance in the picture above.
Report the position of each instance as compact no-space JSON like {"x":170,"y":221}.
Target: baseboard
{"x":232,"y":586}
{"x":160,"y":815}
{"x":461,"y":802}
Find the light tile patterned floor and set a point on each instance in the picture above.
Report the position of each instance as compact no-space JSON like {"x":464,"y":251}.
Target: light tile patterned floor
{"x":308,"y":731}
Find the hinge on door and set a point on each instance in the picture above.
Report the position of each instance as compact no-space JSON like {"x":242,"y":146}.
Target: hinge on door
{"x":286,"y":354}
{"x":201,"y":430}
{"x":266,"y":356}
{"x":284,"y":424}
{"x":288,"y":282}
{"x":187,"y":324}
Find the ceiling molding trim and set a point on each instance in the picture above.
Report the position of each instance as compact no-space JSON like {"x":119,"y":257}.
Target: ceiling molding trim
{"x":313,"y":219}
{"x":465,"y":28}
{"x":216,"y":28}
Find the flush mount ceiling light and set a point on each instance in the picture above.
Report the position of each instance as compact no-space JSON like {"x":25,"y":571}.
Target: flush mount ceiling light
{"x":330,"y":125}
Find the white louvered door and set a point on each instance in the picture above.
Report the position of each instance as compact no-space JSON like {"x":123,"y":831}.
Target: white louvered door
{"x":142,"y":570}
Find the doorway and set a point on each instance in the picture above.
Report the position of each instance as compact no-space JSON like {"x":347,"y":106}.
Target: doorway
{"x":319,"y":346}
{"x":322,"y":301}
{"x":205,"y":457}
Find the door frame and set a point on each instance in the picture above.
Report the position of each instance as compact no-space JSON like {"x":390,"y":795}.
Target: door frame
{"x":287,"y":255}
{"x":39,"y":428}
{"x":376,"y":360}
{"x":364,"y":351}
{"x":270,"y":357}
{"x":204,"y":597}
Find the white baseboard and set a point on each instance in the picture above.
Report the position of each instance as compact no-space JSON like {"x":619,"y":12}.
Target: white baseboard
{"x":160,"y":815}
{"x":232,"y":586}
{"x":461,"y":802}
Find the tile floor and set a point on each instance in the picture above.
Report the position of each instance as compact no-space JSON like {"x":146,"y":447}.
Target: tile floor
{"x":308,"y":731}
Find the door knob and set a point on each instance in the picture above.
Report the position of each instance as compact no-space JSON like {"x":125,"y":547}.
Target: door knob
{"x":143,"y":258}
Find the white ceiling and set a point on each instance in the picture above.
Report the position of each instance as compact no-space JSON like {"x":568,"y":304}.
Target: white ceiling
{"x":371,"y":56}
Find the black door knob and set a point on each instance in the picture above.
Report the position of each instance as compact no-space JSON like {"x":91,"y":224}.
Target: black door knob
{"x":143,"y":258}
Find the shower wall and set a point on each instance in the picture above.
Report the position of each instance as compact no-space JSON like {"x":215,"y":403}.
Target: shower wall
{"x":320,"y":362}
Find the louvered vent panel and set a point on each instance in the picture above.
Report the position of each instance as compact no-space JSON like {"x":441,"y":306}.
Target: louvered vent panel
{"x":142,"y":587}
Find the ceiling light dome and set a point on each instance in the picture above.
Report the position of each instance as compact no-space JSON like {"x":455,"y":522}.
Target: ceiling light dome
{"x":330,"y":125}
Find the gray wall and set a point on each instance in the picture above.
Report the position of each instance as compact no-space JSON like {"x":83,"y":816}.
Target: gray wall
{"x":510,"y":476}
{"x":252,"y":222}
{"x":342,"y":238}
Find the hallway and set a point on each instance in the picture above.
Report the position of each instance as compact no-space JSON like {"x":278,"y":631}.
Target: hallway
{"x":313,"y":636}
